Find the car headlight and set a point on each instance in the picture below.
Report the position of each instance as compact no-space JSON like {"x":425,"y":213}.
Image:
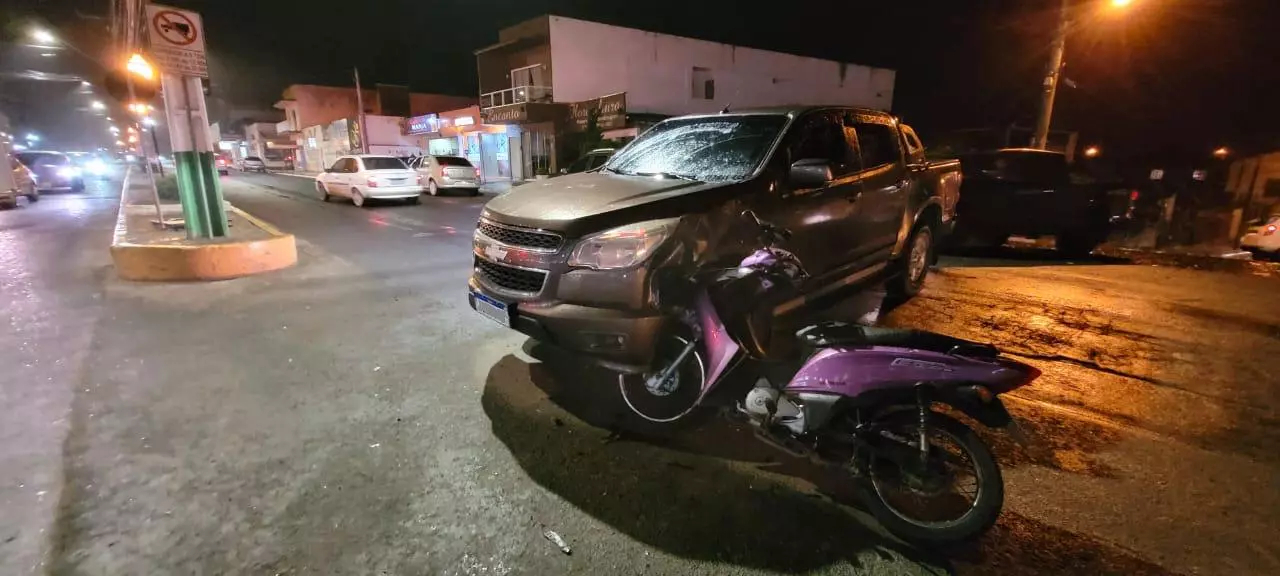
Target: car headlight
{"x":622,"y":247}
{"x":68,"y":172}
{"x":97,"y":167}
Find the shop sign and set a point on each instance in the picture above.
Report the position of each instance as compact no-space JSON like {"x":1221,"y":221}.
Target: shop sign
{"x":424,"y":124}
{"x":612,"y":110}
{"x":353,"y":136}
{"x":512,"y":114}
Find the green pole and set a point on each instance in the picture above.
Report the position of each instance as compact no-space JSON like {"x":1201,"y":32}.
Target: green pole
{"x":199,"y":188}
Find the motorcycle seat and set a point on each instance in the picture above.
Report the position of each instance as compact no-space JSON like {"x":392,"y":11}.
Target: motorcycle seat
{"x":830,"y":334}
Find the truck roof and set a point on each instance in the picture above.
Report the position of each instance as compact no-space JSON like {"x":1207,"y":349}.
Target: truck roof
{"x":796,"y":109}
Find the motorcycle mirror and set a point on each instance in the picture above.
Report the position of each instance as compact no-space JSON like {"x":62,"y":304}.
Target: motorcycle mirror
{"x":751,"y":214}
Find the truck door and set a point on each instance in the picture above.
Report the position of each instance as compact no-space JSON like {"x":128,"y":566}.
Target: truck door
{"x":885,"y":184}
{"x":823,"y":219}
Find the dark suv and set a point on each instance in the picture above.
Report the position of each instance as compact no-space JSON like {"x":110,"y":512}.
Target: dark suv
{"x":585,"y":261}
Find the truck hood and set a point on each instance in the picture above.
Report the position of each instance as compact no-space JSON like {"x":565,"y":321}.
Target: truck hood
{"x":583,"y":203}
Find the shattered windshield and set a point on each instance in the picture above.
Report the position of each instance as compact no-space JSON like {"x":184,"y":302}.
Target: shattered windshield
{"x":704,"y":148}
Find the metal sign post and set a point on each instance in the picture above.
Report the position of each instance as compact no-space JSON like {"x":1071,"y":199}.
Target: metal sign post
{"x":178,"y":48}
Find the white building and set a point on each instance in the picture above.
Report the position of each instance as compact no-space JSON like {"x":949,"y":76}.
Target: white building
{"x":553,"y":60}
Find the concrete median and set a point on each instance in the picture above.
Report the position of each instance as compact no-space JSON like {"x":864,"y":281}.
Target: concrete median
{"x":144,"y":251}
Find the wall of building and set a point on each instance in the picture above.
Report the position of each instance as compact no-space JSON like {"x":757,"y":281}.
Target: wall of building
{"x":320,"y":105}
{"x":657,"y":72}
{"x":420,"y":104}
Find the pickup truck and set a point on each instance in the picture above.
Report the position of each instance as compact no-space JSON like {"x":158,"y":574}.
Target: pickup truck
{"x":584,"y":261}
{"x":1028,"y":192}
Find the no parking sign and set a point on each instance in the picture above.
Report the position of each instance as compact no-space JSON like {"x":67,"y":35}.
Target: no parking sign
{"x":177,"y":41}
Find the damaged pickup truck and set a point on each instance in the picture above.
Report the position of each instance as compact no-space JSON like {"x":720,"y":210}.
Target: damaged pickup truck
{"x":589,"y":262}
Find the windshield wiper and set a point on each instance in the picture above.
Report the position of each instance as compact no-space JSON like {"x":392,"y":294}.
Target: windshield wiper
{"x":666,"y":175}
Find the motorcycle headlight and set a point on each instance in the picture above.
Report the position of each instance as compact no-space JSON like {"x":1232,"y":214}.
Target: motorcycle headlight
{"x":622,"y":247}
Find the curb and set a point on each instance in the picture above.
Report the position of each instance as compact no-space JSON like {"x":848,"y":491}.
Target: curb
{"x":215,"y":261}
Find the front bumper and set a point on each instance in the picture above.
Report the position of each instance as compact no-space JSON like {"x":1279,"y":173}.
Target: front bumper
{"x":620,"y":339}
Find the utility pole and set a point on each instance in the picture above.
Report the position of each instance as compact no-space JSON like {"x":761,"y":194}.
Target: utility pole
{"x":364,"y":140}
{"x":1052,"y":77}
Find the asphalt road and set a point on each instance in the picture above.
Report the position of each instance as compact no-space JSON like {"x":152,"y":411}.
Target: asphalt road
{"x":353,"y":416}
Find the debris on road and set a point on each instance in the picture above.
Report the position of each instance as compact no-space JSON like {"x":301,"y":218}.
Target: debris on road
{"x":557,"y":540}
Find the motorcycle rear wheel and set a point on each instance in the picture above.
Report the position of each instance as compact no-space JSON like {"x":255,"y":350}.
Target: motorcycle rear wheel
{"x":885,"y":484}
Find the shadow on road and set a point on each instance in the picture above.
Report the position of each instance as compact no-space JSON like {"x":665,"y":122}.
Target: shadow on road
{"x":665,"y":492}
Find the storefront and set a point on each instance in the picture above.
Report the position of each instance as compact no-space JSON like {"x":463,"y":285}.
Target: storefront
{"x":488,"y":146}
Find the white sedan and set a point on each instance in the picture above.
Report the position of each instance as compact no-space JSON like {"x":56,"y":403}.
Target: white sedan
{"x":1263,"y":240}
{"x":364,"y":177}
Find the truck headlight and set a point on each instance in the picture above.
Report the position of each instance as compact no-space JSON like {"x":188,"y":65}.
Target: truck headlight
{"x":622,"y":247}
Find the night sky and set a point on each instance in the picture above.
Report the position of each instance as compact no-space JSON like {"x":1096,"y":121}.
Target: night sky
{"x":1165,"y":77}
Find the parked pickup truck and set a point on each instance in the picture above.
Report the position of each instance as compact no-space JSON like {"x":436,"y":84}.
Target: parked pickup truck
{"x":1027,"y":192}
{"x":581,"y":261}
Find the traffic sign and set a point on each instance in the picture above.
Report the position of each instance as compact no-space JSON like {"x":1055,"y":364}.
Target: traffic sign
{"x":177,"y":41}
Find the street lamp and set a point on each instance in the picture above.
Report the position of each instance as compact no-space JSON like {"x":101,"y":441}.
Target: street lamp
{"x":1053,"y":75}
{"x":140,"y":67}
{"x":1221,"y":153}
{"x":1092,"y":152}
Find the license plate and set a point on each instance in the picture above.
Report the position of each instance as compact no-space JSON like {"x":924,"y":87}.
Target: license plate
{"x":398,"y":181}
{"x":492,"y":309}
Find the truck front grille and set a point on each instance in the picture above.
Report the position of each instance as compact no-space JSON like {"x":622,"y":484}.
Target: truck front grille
{"x":521,"y":237}
{"x":514,"y":279}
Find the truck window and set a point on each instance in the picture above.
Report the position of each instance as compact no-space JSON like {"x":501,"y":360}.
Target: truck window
{"x":878,"y":144}
{"x":821,"y":136}
{"x":915,"y":150}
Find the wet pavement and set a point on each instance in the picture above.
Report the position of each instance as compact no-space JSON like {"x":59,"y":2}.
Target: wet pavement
{"x":353,"y":416}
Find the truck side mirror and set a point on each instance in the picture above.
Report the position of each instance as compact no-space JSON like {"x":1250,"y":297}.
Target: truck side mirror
{"x":810,"y":173}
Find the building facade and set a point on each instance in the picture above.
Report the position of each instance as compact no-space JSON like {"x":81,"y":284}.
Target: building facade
{"x":312,"y":112}
{"x":490,"y":147}
{"x":1254,"y":185}
{"x":542,"y":67}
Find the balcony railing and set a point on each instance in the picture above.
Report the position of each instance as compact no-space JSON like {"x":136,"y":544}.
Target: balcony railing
{"x":516,"y":95}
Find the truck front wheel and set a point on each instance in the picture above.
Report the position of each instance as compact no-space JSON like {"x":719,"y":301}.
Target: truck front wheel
{"x":912,"y":267}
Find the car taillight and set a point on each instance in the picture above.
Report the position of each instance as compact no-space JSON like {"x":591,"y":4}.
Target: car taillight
{"x":477,"y":172}
{"x":372,"y":183}
{"x":1133,"y":196}
{"x":1269,"y":230}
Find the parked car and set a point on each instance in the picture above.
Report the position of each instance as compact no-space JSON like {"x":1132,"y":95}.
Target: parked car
{"x":274,"y":159}
{"x":366,"y":177}
{"x":253,"y":164}
{"x":581,"y":261}
{"x":52,"y":171}
{"x":1027,"y":192}
{"x":223,"y":164}
{"x":21,"y":183}
{"x":1263,"y":239}
{"x":592,"y":160}
{"x":447,"y":173}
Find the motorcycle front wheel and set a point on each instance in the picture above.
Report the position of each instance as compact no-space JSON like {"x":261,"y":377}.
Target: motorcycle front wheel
{"x":955,"y":497}
{"x":665,"y":401}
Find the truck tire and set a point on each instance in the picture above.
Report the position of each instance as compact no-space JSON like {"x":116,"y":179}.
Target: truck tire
{"x":912,"y":266}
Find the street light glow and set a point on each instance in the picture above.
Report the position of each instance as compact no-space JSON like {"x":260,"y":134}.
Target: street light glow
{"x":43,"y":36}
{"x":149,"y":121}
{"x":140,"y":67}
{"x":1121,"y":3}
{"x":33,"y":137}
{"x":1092,"y":152}
{"x":1221,"y":153}
{"x":98,"y":105}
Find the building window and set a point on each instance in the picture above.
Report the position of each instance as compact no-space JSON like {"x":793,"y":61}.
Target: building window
{"x":704,"y":86}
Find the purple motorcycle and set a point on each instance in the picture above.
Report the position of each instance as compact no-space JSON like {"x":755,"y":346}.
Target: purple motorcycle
{"x":856,"y":397}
